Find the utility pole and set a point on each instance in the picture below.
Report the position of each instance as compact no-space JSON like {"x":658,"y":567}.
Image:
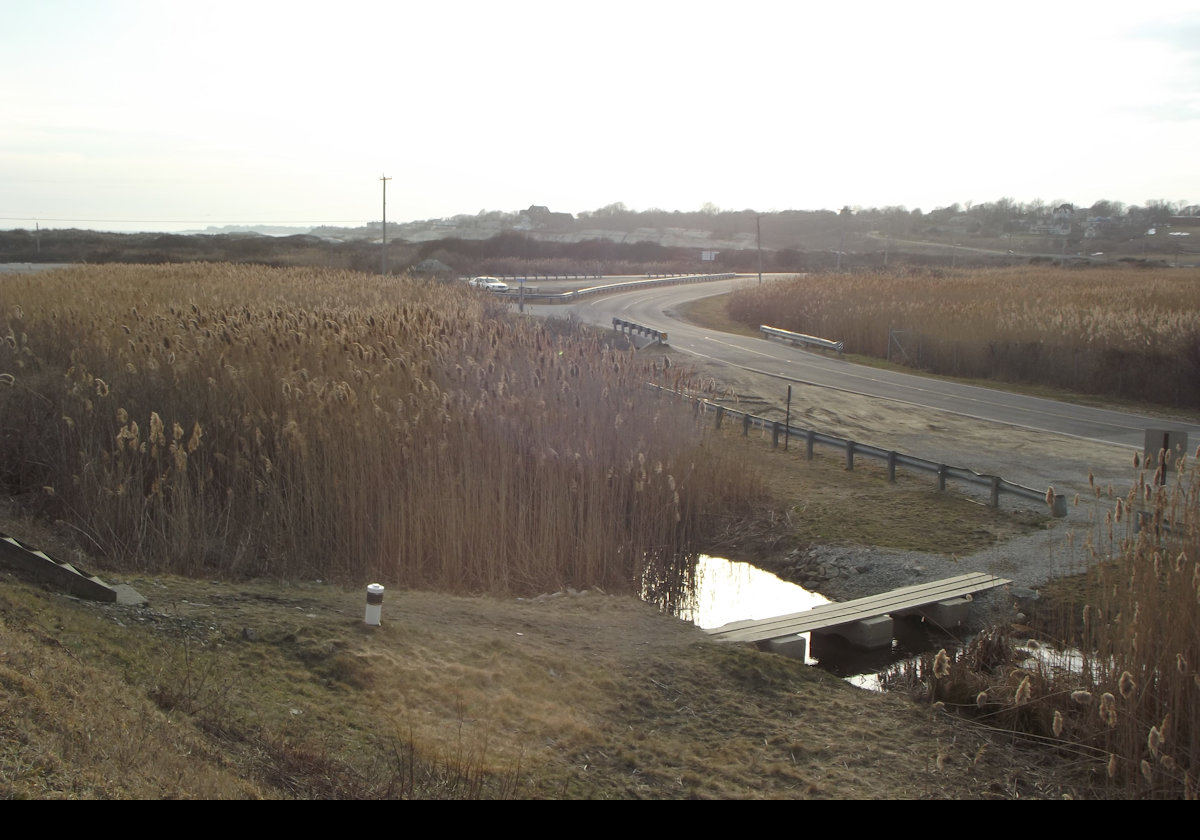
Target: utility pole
{"x":385,"y":179}
{"x":758,"y":234}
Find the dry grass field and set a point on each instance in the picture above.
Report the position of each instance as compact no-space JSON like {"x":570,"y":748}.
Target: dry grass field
{"x":247,"y":447}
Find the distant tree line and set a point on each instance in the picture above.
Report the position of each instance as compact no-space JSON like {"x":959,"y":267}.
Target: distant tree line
{"x":538,"y":240}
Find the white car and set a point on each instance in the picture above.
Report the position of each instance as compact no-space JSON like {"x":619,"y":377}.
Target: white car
{"x":494,"y":284}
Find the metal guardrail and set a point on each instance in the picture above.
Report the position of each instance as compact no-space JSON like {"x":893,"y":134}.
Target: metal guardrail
{"x":521,"y":278}
{"x":801,"y":338}
{"x":567,"y":297}
{"x":621,"y":325}
{"x":944,"y":472}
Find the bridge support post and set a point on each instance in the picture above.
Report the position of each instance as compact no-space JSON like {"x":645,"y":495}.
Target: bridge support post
{"x":870,"y":633}
{"x":947,"y":614}
{"x":794,"y":646}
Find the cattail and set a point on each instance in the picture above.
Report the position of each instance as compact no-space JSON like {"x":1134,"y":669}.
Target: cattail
{"x":941,"y":664}
{"x":1127,"y":685}
{"x":179,"y":455}
{"x":1154,"y":741}
{"x":1081,"y":696}
{"x":156,"y":429}
{"x":1112,"y":766}
{"x":1050,"y":496}
{"x":1108,"y":709}
{"x":1057,"y":725}
{"x":981,"y":699}
{"x":1147,"y":771}
{"x":1024,"y":692}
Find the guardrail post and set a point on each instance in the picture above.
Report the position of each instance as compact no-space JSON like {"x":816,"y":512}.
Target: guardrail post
{"x":941,"y":474}
{"x":720,"y":414}
{"x":774,"y":434}
{"x":745,"y":425}
{"x":1060,"y":506}
{"x":810,"y":437}
{"x":995,"y":491}
{"x":850,"y":455}
{"x":892,"y":467}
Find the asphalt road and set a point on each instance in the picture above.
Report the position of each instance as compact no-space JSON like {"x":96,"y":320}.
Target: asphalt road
{"x":657,"y":307}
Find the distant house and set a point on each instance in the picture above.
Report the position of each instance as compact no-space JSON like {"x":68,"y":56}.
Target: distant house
{"x":1051,"y":227}
{"x":1098,"y":226}
{"x":539,"y":215}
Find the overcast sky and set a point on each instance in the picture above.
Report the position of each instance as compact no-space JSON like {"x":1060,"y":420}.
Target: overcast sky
{"x":166,"y":115}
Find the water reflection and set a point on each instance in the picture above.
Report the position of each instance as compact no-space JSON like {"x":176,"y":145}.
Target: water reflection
{"x":730,"y":591}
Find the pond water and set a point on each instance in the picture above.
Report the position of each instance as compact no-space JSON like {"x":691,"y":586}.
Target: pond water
{"x":728,"y":590}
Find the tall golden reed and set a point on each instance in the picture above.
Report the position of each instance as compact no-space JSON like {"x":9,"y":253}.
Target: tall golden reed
{"x":1124,"y":331}
{"x":237,"y":420}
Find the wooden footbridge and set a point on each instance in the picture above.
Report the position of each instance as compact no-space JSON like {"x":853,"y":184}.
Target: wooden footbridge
{"x":866,"y":622}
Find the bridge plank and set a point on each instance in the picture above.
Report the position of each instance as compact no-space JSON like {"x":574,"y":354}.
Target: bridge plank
{"x":833,"y":615}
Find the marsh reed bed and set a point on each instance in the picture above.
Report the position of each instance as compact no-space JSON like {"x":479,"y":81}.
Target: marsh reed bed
{"x":1126,"y":332}
{"x":1110,"y":677}
{"x":246,"y":421}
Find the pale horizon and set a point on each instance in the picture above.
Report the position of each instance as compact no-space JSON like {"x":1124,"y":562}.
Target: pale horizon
{"x":159,"y":116}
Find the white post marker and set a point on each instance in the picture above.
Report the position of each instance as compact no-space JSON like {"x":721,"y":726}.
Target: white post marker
{"x":374,"y":604}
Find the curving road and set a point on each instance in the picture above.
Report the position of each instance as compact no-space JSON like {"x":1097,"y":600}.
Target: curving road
{"x":656,"y":307}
